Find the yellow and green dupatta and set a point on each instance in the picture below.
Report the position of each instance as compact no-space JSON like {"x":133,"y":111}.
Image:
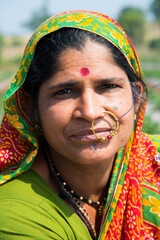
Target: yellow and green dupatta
{"x":133,"y":205}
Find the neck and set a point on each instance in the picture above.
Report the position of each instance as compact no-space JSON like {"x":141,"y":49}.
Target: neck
{"x":90,"y":181}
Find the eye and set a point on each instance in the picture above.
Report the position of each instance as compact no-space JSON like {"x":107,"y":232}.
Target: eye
{"x":66,"y":93}
{"x":108,"y":86}
{"x":63,"y":91}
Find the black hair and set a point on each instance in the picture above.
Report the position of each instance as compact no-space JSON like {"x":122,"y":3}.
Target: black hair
{"x":47,"y":52}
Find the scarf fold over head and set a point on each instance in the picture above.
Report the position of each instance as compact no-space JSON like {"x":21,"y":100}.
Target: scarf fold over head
{"x":133,"y":204}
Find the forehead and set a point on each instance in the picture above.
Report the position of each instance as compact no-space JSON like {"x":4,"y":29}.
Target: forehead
{"x":86,"y":67}
{"x":91,"y":53}
{"x":93,"y":62}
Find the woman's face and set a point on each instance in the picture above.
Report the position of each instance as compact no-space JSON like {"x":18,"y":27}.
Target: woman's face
{"x":87,"y":83}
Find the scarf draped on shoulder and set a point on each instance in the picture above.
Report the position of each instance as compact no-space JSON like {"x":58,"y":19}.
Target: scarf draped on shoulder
{"x":133,"y":204}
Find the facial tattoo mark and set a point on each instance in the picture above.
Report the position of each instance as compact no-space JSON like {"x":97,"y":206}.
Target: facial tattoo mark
{"x":94,"y":147}
{"x":84,"y":71}
{"x":115,"y":107}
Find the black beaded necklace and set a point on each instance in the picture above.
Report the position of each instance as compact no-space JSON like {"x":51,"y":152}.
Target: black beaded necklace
{"x":64,"y":194}
{"x":72,"y":192}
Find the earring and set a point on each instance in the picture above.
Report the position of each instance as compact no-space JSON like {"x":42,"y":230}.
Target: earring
{"x":135,"y":117}
{"x":38,"y":130}
{"x":113,"y":133}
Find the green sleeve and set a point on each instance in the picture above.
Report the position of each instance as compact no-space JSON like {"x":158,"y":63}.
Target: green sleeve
{"x":23,"y":221}
{"x":31,"y":210}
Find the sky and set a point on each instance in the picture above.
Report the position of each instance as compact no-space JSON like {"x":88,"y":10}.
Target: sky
{"x":13,"y":13}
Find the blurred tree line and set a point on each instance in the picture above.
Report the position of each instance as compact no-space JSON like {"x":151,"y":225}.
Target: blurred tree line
{"x":133,"y":20}
{"x":155,"y":8}
{"x":37,"y":17}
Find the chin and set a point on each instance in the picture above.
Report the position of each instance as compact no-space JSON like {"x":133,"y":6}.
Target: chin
{"x":94,"y":156}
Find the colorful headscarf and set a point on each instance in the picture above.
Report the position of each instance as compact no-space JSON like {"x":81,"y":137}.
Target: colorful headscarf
{"x":133,"y":204}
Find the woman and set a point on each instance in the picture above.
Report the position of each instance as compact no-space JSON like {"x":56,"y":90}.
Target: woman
{"x":71,"y":142}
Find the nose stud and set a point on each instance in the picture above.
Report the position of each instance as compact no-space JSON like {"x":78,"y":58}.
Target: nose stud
{"x":113,"y":132}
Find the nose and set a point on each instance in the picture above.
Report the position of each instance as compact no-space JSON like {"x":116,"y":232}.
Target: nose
{"x":89,"y":107}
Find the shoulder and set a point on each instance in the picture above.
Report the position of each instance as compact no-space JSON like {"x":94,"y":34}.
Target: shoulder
{"x":21,"y":205}
{"x":28,"y":187}
{"x":30,"y":209}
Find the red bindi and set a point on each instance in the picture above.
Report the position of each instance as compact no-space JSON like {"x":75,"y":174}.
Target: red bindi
{"x":84,"y":71}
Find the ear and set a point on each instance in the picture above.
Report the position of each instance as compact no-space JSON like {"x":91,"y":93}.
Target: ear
{"x":140,"y":91}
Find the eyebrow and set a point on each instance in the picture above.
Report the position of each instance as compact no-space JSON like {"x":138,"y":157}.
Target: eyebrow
{"x":77,"y":83}
{"x":108,"y":80}
{"x":65,"y":84}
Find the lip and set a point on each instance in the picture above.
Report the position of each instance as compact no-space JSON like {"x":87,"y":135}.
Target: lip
{"x":88,"y":136}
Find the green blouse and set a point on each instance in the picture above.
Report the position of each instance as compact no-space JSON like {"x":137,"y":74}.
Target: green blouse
{"x":30,"y":209}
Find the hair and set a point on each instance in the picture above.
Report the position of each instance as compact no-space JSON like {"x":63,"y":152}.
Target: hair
{"x":47,"y":52}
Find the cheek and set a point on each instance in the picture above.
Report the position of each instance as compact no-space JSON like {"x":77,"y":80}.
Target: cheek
{"x":50,"y":118}
{"x":54,"y":120}
{"x":122,"y":104}
{"x":126,"y":126}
